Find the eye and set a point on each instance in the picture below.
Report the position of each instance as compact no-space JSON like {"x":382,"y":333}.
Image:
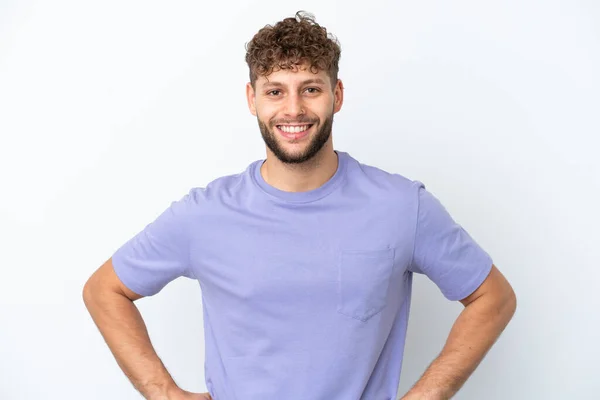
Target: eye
{"x":312,"y":90}
{"x":272,"y":92}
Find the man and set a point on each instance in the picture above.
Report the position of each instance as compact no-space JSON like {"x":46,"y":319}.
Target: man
{"x":305,"y":259}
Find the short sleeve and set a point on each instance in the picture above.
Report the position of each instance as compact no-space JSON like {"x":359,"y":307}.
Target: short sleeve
{"x":159,"y":253}
{"x":444,"y":251}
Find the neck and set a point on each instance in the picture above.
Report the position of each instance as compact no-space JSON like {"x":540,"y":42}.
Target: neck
{"x":309,"y":175}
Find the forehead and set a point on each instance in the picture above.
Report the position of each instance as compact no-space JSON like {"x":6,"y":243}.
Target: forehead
{"x":296,"y":75}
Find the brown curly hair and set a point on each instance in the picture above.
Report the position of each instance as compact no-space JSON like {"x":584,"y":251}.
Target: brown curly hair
{"x":291,"y":42}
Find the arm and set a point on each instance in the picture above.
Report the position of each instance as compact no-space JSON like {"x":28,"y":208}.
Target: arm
{"x":487,"y":312}
{"x":110,"y":303}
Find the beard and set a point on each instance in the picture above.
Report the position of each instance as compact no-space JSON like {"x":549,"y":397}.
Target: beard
{"x":317,"y":142}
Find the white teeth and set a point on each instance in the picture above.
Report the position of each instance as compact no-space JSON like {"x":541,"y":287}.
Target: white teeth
{"x":293,"y":129}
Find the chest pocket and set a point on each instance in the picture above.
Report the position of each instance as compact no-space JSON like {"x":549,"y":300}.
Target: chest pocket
{"x":363,"y":282}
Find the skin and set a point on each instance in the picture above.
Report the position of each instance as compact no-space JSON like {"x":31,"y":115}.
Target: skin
{"x":294,"y":97}
{"x":111,"y":305}
{"x":487,"y":312}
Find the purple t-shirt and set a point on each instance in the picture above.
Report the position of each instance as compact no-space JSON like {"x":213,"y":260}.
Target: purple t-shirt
{"x":306,"y":295}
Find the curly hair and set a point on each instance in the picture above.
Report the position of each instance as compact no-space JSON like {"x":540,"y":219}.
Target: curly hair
{"x":291,"y":42}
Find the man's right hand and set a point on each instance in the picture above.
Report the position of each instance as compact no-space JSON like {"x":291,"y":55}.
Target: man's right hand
{"x":195,"y":396}
{"x":184,"y":395}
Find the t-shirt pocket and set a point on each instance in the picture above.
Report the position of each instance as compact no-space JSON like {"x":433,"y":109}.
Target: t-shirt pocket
{"x":363,"y":282}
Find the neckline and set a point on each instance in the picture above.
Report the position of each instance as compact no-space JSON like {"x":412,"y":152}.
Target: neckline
{"x":306,"y":196}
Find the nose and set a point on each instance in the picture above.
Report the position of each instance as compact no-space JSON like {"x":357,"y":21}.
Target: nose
{"x":293,"y":106}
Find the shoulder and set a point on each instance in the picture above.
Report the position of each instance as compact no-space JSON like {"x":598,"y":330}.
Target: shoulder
{"x":383,"y":181}
{"x":219,"y":190}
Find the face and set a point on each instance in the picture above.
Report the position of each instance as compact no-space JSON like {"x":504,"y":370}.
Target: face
{"x":294,"y":109}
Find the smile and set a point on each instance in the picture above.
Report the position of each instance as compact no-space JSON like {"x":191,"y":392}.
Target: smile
{"x":294,"y":128}
{"x":294,"y":132}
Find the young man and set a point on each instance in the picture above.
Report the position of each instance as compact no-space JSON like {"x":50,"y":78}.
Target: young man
{"x":305,"y":259}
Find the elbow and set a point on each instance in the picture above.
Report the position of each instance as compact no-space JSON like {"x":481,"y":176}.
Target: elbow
{"x":509,"y":304}
{"x":92,"y":290}
{"x":87,"y":293}
{"x":513,"y":300}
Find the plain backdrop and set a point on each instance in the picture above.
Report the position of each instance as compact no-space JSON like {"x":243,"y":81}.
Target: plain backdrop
{"x":111,"y":110}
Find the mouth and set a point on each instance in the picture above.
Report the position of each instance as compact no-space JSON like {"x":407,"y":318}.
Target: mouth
{"x":294,"y":131}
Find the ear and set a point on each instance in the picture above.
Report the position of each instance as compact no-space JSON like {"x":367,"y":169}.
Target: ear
{"x":338,"y":93}
{"x":251,"y":97}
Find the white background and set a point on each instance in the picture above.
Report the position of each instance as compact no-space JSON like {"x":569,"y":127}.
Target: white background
{"x":111,"y":110}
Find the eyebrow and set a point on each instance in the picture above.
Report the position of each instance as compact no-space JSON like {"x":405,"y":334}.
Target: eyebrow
{"x":306,"y":82}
